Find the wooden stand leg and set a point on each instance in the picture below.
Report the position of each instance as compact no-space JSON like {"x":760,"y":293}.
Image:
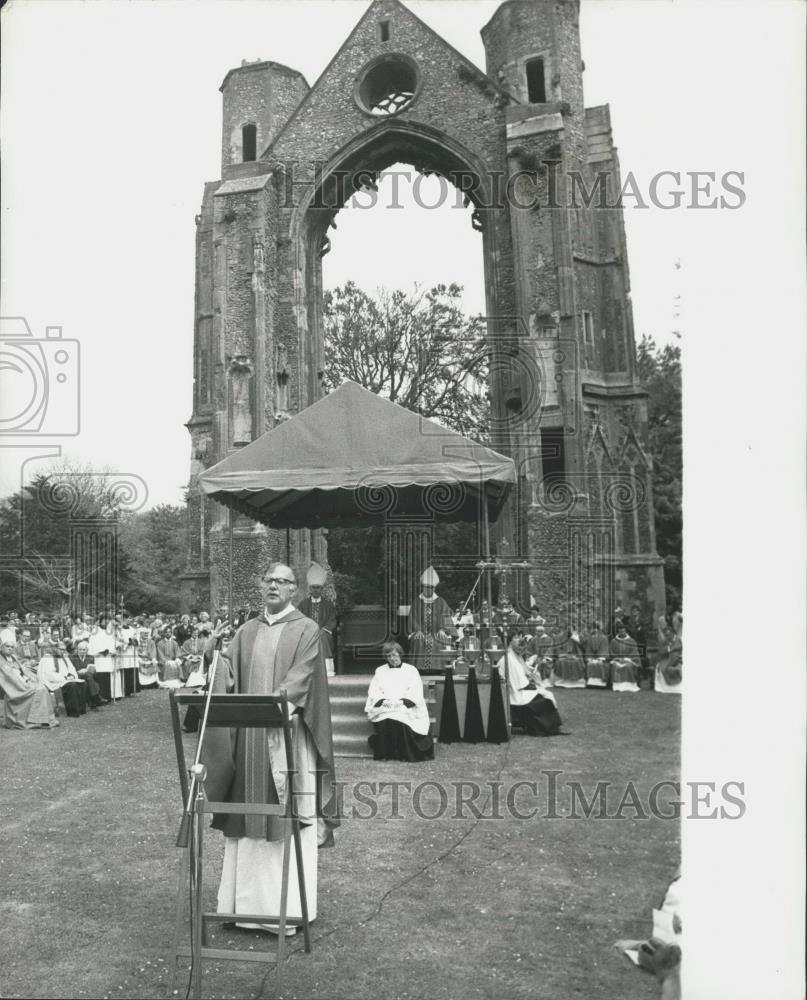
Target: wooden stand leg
{"x":198,"y":918}
{"x":179,"y":921}
{"x":298,"y":853}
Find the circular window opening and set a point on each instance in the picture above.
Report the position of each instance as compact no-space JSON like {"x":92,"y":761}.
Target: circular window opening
{"x":388,"y":86}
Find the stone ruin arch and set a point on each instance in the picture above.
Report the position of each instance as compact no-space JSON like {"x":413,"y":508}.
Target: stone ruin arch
{"x":556,"y":279}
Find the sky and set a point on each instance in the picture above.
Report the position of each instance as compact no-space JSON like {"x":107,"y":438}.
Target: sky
{"x":110,"y":124}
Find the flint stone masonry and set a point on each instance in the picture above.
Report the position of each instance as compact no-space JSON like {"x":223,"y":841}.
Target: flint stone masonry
{"x":557,"y":287}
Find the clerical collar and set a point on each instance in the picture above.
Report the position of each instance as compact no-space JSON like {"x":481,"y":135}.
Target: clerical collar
{"x":428,"y":600}
{"x":315,"y":600}
{"x":271,"y":619}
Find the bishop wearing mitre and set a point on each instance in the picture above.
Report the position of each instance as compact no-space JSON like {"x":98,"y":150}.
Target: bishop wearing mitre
{"x":429,"y":622}
{"x":322,"y":611}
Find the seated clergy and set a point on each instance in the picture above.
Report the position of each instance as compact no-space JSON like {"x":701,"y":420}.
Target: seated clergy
{"x":597,"y":648}
{"x":669,"y":669}
{"x":532,"y":704}
{"x":625,"y":661}
{"x":570,"y":670}
{"x":27,"y":703}
{"x":322,"y":611}
{"x":169,"y":660}
{"x":27,"y":649}
{"x":57,"y":673}
{"x":396,"y":707}
{"x":147,"y":665}
{"x":85,"y":669}
{"x":539,"y":650}
{"x":192,"y":653}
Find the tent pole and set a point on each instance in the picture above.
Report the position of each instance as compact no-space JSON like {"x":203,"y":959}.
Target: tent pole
{"x":489,"y":590}
{"x":230,"y":567}
{"x":486,"y":543}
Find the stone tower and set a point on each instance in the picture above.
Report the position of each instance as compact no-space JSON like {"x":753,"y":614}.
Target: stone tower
{"x":543,"y":174}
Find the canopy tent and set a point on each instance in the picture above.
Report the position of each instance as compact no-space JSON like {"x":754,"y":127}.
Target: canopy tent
{"x":354,"y":457}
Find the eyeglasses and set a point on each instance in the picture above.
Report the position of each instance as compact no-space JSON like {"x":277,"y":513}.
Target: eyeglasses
{"x":278,"y":580}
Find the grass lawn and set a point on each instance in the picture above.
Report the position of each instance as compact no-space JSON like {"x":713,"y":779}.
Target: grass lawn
{"x":409,"y":907}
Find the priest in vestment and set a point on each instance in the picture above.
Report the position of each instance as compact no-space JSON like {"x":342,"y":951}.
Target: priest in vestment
{"x":27,"y":649}
{"x":625,"y":661}
{"x":570,"y":670}
{"x":279,"y":649}
{"x":27,"y":703}
{"x":597,"y":650}
{"x":669,"y":668}
{"x":539,"y":649}
{"x":532,"y":704}
{"x":322,"y":611}
{"x":429,"y":622}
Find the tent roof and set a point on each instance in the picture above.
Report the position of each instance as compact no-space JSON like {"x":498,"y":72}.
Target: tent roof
{"x":352,"y":457}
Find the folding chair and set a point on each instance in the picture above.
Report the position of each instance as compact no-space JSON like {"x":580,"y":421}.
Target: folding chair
{"x":243,"y":711}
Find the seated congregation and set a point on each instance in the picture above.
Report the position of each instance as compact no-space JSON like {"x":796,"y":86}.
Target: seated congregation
{"x":50,"y":668}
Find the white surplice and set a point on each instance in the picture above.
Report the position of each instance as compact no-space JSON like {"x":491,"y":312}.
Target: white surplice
{"x":393,"y":684}
{"x":518,"y":679}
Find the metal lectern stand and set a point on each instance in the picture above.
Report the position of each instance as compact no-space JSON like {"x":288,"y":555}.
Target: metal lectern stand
{"x":242,"y":711}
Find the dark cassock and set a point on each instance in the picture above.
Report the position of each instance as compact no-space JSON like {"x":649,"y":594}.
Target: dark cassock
{"x":83,"y":665}
{"x":322,"y":611}
{"x":57,"y":673}
{"x":429,"y":625}
{"x":597,"y":650}
{"x":27,"y":703}
{"x":625,"y":662}
{"x":275,"y":651}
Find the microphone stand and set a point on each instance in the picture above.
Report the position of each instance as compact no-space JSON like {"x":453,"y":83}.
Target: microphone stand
{"x":198,"y":771}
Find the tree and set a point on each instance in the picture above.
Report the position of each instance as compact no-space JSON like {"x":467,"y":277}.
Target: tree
{"x":419,"y":350}
{"x":37,"y":526}
{"x":423,"y":352}
{"x":71,"y":541}
{"x":660,"y":372}
{"x":155,"y":544}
